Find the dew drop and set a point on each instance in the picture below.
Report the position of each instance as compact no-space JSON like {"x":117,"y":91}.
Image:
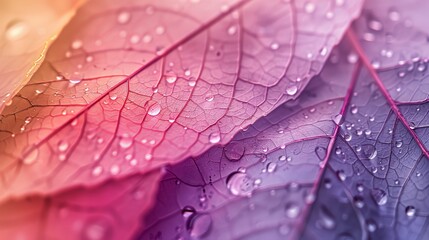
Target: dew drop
{"x":154,"y":110}
{"x":160,"y":30}
{"x":341,"y":175}
{"x":114,"y":169}
{"x":209,"y":98}
{"x":358,"y":201}
{"x":232,"y":30}
{"x":124,"y":17}
{"x":76,"y":44}
{"x":199,"y":225}
{"x":135,"y":39}
{"x":326,"y":219}
{"x":271,"y":167}
{"x":171,"y":79}
{"x":125,"y":141}
{"x":96,"y":171}
{"x":148,"y":156}
{"x":398,"y":143}
{"x":410,"y":211}
{"x":371,"y":225}
{"x":31,"y":157}
{"x":214,"y":138}
{"x":309,"y":7}
{"x":282,"y":158}
{"x":75,"y":81}
{"x":274,"y":46}
{"x":234,"y":151}
{"x":338,"y":119}
{"x":16,"y":30}
{"x":375,"y":25}
{"x":292,"y":90}
{"x":320,"y":152}
{"x":379,"y":196}
{"x":354,"y":109}
{"x":63,"y":146}
{"x":292,"y":210}
{"x":96,"y":230}
{"x":352,"y":58}
{"x":239,"y":184}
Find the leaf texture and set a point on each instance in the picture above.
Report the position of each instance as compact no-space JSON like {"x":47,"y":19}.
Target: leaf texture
{"x":29,"y":28}
{"x":107,"y":211}
{"x":357,"y":172}
{"x":124,"y":90}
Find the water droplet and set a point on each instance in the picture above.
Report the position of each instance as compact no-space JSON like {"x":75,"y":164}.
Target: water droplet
{"x":209,"y":98}
{"x":398,"y":143}
{"x":160,"y":30}
{"x":379,"y":196}
{"x":352,"y":58}
{"x":309,"y":7}
{"x":292,"y":90}
{"x":326,"y":219}
{"x":97,"y":229}
{"x":75,"y":81}
{"x":341,"y":175}
{"x":125,"y":141}
{"x":348,"y":137}
{"x":31,"y":157}
{"x":410,"y":211}
{"x":16,"y":30}
{"x":239,"y":184}
{"x":232,"y":30}
{"x":154,"y":110}
{"x":371,"y":225}
{"x":199,"y":225}
{"x":76,"y":44}
{"x":124,"y":17}
{"x":292,"y":210}
{"x":171,"y":79}
{"x":369,"y":151}
{"x":338,"y":119}
{"x":360,"y":187}
{"x":321,"y":152}
{"x":63,"y":146}
{"x":214,"y":138}
{"x":358,"y":201}
{"x":114,"y":169}
{"x":188,"y":211}
{"x":135,"y":39}
{"x":187,"y":72}
{"x":274,"y":46}
{"x":375,"y":25}
{"x":96,"y":171}
{"x":234,"y":151}
{"x":412,"y":125}
{"x":324,"y":51}
{"x":148,"y":156}
{"x":271,"y":167}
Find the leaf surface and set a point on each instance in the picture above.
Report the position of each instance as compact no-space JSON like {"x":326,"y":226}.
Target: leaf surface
{"x":107,"y":211}
{"x":358,"y":171}
{"x":29,"y":28}
{"x":129,"y":86}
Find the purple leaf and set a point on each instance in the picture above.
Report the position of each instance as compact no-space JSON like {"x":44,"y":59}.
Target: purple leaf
{"x":357,"y":171}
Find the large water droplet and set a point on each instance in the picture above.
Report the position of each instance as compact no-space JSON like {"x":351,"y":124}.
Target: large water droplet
{"x":410,"y":211}
{"x":31,"y":157}
{"x":338,"y":119}
{"x":199,"y":225}
{"x":124,"y":17}
{"x":369,"y":151}
{"x":125,"y":141}
{"x":379,"y":196}
{"x":154,"y":110}
{"x":214,"y":138}
{"x":321,"y":153}
{"x":63,"y":146}
{"x":309,"y":7}
{"x":16,"y":30}
{"x":171,"y":79}
{"x":292,"y":210}
{"x":96,"y":229}
{"x":326,"y":219}
{"x":239,"y":184}
{"x":234,"y":151}
{"x":292,"y":90}
{"x":271,"y":167}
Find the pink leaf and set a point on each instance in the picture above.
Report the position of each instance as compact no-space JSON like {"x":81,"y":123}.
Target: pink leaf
{"x":108,"y":211}
{"x":130,"y":86}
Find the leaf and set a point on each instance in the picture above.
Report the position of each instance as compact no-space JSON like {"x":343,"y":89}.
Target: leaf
{"x":106,"y":212}
{"x":124,"y":89}
{"x":30,"y":27}
{"x":258,"y":185}
{"x":361,"y":175}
